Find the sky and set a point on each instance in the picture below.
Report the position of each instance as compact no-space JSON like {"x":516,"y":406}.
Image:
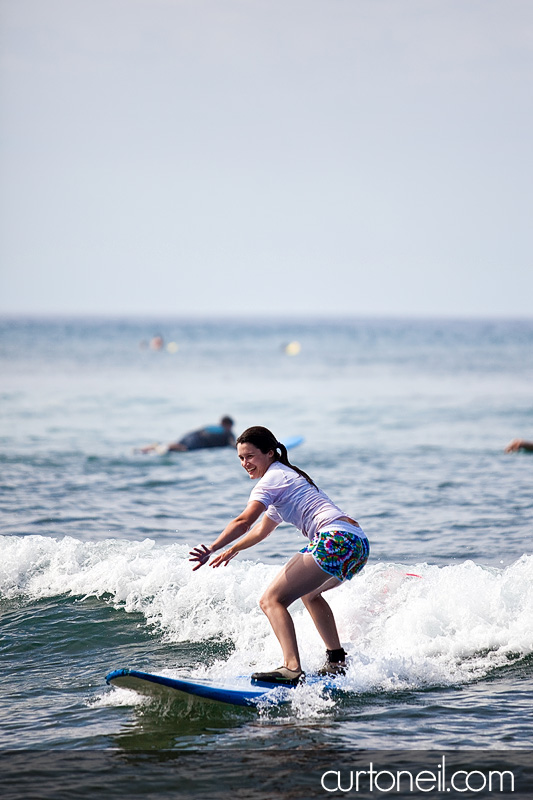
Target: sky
{"x":266,"y":157}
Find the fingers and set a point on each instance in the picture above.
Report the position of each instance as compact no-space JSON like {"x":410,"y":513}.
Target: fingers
{"x":217,"y":561}
{"x":223,"y":558}
{"x":513,"y":446}
{"x":200,"y":554}
{"x":196,"y":552}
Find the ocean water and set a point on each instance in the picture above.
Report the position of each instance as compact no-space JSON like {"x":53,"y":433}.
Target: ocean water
{"x":405,"y":424}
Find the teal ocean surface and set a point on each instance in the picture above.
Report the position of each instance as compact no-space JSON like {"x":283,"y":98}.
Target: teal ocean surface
{"x":404,"y":425}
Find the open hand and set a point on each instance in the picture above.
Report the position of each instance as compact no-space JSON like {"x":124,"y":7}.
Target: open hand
{"x":200,"y":554}
{"x":519,"y":444}
{"x":224,"y":558}
{"x":513,"y":446}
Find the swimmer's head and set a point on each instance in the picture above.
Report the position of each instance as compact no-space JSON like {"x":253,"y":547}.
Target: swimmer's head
{"x":226,"y":422}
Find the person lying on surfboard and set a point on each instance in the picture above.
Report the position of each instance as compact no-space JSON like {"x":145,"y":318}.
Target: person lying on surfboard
{"x":336,"y":551}
{"x":220,"y":435}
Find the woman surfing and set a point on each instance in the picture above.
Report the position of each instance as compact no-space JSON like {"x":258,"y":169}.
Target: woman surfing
{"x":336,"y":551}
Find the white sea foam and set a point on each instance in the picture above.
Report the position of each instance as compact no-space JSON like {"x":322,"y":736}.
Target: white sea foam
{"x":118,"y":697}
{"x":451,"y":625}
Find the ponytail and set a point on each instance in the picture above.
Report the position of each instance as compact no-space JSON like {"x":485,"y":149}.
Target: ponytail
{"x":265,"y":441}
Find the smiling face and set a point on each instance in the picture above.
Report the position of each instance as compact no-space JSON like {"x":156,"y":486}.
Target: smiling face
{"x":253,"y":460}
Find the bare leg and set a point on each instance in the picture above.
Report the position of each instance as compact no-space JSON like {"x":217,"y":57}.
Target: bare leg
{"x":301,"y":577}
{"x":322,"y":615}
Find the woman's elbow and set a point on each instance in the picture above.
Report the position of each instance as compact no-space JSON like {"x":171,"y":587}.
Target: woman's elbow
{"x":243,"y":522}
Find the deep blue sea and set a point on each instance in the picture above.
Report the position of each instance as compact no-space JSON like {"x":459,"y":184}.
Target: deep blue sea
{"x":404,"y":423}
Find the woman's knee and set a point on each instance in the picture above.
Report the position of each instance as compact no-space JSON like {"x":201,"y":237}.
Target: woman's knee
{"x":265,"y":602}
{"x":271,"y":600}
{"x":307,"y":599}
{"x":311,"y":599}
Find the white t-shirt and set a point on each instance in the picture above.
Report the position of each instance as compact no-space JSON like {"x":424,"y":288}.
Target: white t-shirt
{"x":288,"y":497}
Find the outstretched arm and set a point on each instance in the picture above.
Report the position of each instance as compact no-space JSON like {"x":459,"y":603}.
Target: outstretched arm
{"x":236,"y":528}
{"x":255,"y":535}
{"x":519,"y":444}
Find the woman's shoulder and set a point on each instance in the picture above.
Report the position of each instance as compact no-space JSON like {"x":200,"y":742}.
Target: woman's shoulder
{"x":279,"y":474}
{"x":273,"y":479}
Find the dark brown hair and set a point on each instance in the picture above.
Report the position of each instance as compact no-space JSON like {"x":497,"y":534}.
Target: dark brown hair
{"x":265,"y":441}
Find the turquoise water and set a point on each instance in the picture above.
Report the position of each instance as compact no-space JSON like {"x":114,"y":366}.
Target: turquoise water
{"x":405,"y":424}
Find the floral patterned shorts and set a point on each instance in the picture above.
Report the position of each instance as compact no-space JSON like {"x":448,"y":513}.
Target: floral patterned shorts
{"x":341,"y":554}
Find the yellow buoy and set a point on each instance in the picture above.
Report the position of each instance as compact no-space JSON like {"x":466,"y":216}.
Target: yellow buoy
{"x":293,"y":348}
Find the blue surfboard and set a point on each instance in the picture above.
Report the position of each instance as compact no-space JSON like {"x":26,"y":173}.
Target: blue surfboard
{"x":292,"y":441}
{"x":239,"y":692}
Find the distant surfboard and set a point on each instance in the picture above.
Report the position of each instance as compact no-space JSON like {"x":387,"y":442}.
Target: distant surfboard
{"x":238,"y":692}
{"x":292,"y":441}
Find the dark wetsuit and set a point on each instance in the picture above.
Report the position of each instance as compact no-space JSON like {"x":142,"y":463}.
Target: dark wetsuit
{"x":210,"y":436}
